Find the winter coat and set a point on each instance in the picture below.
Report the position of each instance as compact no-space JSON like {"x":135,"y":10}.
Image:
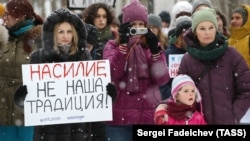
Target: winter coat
{"x":196,"y":119}
{"x":103,"y":37}
{"x":61,"y":132}
{"x":225,"y":86}
{"x":11,"y":59}
{"x":135,"y":107}
{"x":240,"y":37}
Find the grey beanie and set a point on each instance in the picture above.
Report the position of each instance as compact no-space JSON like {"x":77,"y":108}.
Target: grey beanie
{"x":154,"y":20}
{"x":241,"y":10}
{"x":197,"y":3}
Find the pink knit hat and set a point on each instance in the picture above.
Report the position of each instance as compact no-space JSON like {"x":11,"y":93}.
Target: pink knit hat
{"x":134,"y":11}
{"x":181,"y":80}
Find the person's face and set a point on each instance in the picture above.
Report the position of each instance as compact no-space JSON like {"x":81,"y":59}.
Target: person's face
{"x":100,"y":20}
{"x":154,"y":29}
{"x":64,"y":33}
{"x":205,"y":32}
{"x":236,"y":20}
{"x":164,"y":24}
{"x":9,"y":20}
{"x":220,"y":24}
{"x":186,"y":94}
{"x":138,"y":24}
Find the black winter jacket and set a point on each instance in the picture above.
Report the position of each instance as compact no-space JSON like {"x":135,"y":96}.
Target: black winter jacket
{"x":62,"y":132}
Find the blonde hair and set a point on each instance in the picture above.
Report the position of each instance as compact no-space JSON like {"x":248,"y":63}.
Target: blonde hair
{"x":180,"y":42}
{"x":74,"y":46}
{"x":162,"y":39}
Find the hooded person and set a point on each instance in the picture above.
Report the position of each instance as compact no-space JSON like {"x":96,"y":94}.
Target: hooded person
{"x":61,"y":21}
{"x":51,"y":54}
{"x":181,"y":8}
{"x":55,"y":51}
{"x":182,"y":106}
{"x":240,"y":31}
{"x":137,"y":85}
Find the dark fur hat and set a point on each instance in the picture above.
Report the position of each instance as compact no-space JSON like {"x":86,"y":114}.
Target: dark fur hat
{"x":59,"y":16}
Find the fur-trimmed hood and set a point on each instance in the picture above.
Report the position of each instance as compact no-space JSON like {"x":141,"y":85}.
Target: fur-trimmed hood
{"x":63,"y":15}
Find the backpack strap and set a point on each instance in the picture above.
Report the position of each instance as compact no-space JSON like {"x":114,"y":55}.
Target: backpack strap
{"x":204,"y":71}
{"x":202,"y":74}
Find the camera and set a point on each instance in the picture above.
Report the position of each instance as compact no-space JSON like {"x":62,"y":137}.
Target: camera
{"x":138,"y":31}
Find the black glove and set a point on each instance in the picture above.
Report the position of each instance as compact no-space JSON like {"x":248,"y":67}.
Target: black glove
{"x":20,"y":95}
{"x":124,"y":33}
{"x":152,"y":42}
{"x":111,"y":91}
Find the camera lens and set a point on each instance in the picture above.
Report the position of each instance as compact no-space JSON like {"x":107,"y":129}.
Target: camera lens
{"x":132,"y":31}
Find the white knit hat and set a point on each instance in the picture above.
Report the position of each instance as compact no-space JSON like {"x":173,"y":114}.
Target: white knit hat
{"x":181,"y":80}
{"x":180,"y":7}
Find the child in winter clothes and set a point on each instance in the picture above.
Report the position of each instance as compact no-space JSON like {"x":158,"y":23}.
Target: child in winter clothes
{"x":182,"y":107}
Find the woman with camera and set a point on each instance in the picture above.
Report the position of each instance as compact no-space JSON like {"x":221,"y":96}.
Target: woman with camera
{"x":138,"y":68}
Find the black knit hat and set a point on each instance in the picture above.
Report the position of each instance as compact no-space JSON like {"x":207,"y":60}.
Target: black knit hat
{"x":165,"y":16}
{"x":183,"y":23}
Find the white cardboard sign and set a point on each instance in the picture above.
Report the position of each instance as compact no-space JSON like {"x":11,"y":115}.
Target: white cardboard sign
{"x":174,"y":63}
{"x":69,"y":92}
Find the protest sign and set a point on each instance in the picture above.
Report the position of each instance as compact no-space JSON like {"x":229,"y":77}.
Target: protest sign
{"x":174,"y":63}
{"x":82,"y":4}
{"x":69,"y":92}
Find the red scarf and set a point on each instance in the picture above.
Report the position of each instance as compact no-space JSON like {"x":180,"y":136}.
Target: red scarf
{"x":180,"y":111}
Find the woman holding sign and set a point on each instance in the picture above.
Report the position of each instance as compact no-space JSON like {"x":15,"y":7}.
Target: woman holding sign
{"x":64,"y":39}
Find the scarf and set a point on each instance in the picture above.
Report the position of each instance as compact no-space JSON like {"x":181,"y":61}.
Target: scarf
{"x":210,"y":52}
{"x":21,"y":28}
{"x":137,"y":66}
{"x":64,"y":48}
{"x":180,"y":111}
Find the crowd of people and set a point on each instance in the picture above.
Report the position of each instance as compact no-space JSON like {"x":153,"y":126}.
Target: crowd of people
{"x":211,"y":86}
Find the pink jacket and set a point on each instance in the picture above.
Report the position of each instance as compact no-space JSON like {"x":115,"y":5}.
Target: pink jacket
{"x":196,"y":119}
